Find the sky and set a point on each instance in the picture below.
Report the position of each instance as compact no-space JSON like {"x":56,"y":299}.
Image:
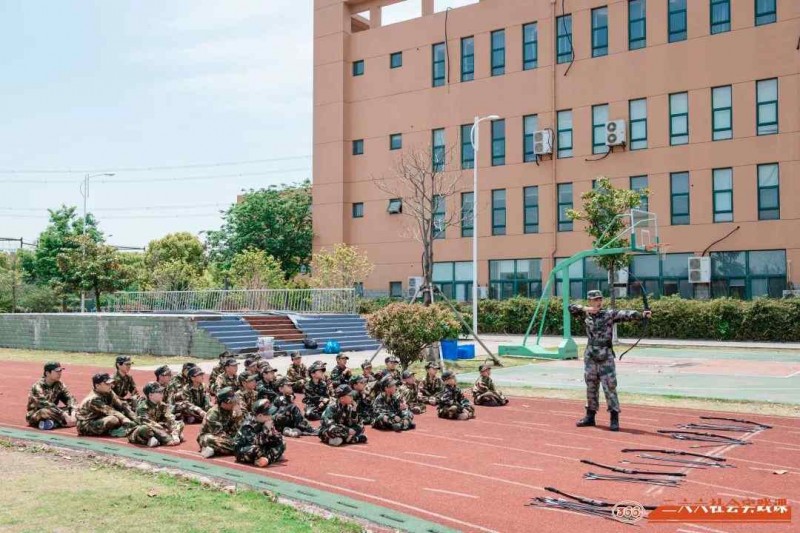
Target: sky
{"x":187,"y":102}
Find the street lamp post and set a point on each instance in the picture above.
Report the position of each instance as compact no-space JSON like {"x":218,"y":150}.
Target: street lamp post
{"x":475,"y":140}
{"x":85,"y":194}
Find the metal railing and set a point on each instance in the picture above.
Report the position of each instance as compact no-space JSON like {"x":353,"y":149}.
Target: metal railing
{"x":236,"y":301}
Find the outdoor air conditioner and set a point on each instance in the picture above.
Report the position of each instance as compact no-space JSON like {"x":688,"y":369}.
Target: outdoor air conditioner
{"x":620,"y":277}
{"x":621,"y":291}
{"x":542,"y":142}
{"x":699,"y":269}
{"x":483,"y":293}
{"x":414,"y":284}
{"x":615,"y":132}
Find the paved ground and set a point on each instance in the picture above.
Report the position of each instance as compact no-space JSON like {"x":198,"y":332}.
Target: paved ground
{"x":478,"y":475}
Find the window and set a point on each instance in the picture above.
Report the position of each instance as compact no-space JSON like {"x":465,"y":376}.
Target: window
{"x":395,"y":206}
{"x":722,"y":113}
{"x":637,"y":24}
{"x":766,"y":12}
{"x":679,"y":198}
{"x":637,"y":111}
{"x":748,"y":274}
{"x":467,"y":151}
{"x":584,"y":276}
{"x":498,"y":52}
{"x":530,"y":123}
{"x":530,"y":46}
{"x":438,"y":64}
{"x":769,"y":202}
{"x":767,"y":106}
{"x":599,"y":119}
{"x":468,"y":59}
{"x":564,"y":39}
{"x":499,"y":212}
{"x":454,"y":279}
{"x":564,"y":203}
{"x":498,"y":142}
{"x":395,"y":289}
{"x":639,"y":183}
{"x":600,"y":32}
{"x":720,"y":16}
{"x":677,"y":20}
{"x":358,"y":68}
{"x":678,"y":118}
{"x":439,"y":216}
{"x":358,"y":147}
{"x":437,"y":150}
{"x":515,"y":277}
{"x":467,"y":224}
{"x":723,"y":194}
{"x":396,"y":60}
{"x":359,"y":288}
{"x":531,"y":209}
{"x":358,"y":210}
{"x":675,"y":276}
{"x":564,"y":133}
{"x":395,"y":141}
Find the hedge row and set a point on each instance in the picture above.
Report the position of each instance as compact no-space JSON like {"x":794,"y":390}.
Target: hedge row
{"x":769,"y":320}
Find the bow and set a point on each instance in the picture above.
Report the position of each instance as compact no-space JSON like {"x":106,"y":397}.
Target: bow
{"x":645,"y":321}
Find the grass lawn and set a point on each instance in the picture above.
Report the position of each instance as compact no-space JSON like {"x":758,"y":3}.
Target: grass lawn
{"x":45,"y":492}
{"x":88,"y":359}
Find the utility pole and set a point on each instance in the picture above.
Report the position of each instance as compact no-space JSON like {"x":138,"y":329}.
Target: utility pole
{"x":85,"y":193}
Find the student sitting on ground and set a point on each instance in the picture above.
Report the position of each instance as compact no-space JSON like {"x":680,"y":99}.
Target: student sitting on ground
{"x":268,"y":388}
{"x":124,"y":385}
{"x":361,"y":400}
{"x":484,"y":393}
{"x":257,"y":441}
{"x":391,"y":412}
{"x":340,"y":420}
{"x":103,"y":413}
{"x":297,"y":373}
{"x":432,"y":387}
{"x":289,"y":419}
{"x":453,"y":404}
{"x":50,"y":404}
{"x":409,"y":393}
{"x":220,"y":425}
{"x":247,"y":395}
{"x":157,"y":426}
{"x":192,"y":402}
{"x":316,"y":396}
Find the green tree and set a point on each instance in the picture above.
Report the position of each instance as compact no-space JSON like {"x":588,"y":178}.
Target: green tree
{"x":58,"y":237}
{"x":181,"y":246}
{"x":137,"y":272}
{"x":602,"y":210}
{"x":341,"y":267}
{"x":254,"y":269}
{"x":91,"y":266}
{"x":276,"y":220}
{"x":175,"y":275}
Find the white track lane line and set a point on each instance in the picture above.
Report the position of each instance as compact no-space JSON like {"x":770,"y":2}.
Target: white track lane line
{"x":442,"y":491}
{"x":426,"y":455}
{"x":771,"y":470}
{"x":483,"y":437}
{"x":520,"y":467}
{"x":570,"y":447}
{"x":334,"y":474}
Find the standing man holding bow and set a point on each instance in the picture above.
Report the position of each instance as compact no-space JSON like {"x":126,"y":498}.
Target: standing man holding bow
{"x":599,"y":367}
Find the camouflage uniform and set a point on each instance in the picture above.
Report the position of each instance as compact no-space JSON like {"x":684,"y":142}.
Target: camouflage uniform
{"x":216,"y":372}
{"x":219,"y":429}
{"x":431,"y":389}
{"x":338,"y":420}
{"x":99,"y":414}
{"x":192,"y":401}
{"x":484,"y":393}
{"x":297,"y":374}
{"x":598,"y":359}
{"x":289,"y":415}
{"x":224,"y":380}
{"x":389,"y":415}
{"x":409,"y":393}
{"x":316,"y":394}
{"x":254,"y":440}
{"x":43,"y":401}
{"x":124,"y":385}
{"x":246,"y":399}
{"x":155,"y":420}
{"x":340,"y":376}
{"x":452,"y":403}
{"x":363,"y":405}
{"x":268,"y":389}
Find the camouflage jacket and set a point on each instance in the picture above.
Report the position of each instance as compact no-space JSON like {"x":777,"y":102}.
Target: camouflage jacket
{"x":452,"y":396}
{"x":340,"y":376}
{"x":315,"y":393}
{"x":387,"y":405}
{"x":43,"y":395}
{"x":221,"y":423}
{"x":255,"y":433}
{"x":296,"y":373}
{"x":97,"y":406}
{"x":197,"y":396}
{"x":283,"y":401}
{"x":600,"y":328}
{"x":215,"y":373}
{"x":246,"y":399}
{"x":224,"y":380}
{"x":268,"y":390}
{"x":409,"y":393}
{"x":155,"y":413}
{"x":363,"y":404}
{"x":336,"y":413}
{"x":124,"y":385}
{"x":396,"y":374}
{"x":171,"y":391}
{"x":431,"y":387}
{"x":482,"y":385}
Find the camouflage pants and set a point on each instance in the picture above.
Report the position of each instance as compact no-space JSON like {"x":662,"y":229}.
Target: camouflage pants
{"x":600,"y":373}
{"x":48,"y":413}
{"x":430,"y":400}
{"x":290,"y":416}
{"x":183,"y":410}
{"x":249,"y":454}
{"x":339,"y":431}
{"x":220,"y":444}
{"x":143,"y":433}
{"x":103,"y":426}
{"x":387,"y":422}
{"x":313,"y":412}
{"x":490,"y":399}
{"x":452,"y":412}
{"x":365,"y":415}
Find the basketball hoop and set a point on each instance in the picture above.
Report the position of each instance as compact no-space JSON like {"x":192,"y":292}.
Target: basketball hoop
{"x":661,"y":248}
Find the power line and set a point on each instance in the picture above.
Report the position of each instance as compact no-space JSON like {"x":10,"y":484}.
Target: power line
{"x":246,"y":175}
{"x":122,"y":217}
{"x":132,"y":208}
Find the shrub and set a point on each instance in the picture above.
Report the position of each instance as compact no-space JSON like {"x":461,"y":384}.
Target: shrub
{"x":407,"y":329}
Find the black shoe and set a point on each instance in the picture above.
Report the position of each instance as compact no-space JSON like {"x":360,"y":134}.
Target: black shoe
{"x":587,"y":420}
{"x":397,"y":427}
{"x":360,"y":439}
{"x":614,"y":426}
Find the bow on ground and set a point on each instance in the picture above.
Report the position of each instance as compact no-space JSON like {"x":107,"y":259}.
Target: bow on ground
{"x":645,"y":320}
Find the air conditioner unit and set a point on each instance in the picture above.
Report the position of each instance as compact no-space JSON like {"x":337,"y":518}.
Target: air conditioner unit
{"x":414,"y":284}
{"x":791,"y":293}
{"x":542,"y":142}
{"x":620,"y":277}
{"x":621,"y":291}
{"x":483,"y":293}
{"x":615,"y":132}
{"x":699,"y":269}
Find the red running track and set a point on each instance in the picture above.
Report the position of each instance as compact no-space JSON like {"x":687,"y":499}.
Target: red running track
{"x":478,"y":475}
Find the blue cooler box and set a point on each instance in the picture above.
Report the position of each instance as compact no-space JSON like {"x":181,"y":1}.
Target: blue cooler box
{"x":466,"y":351}
{"x":450,"y":350}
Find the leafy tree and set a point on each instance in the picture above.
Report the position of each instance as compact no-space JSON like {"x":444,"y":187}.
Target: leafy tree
{"x":175,"y":275}
{"x":254,"y":269}
{"x":181,"y":246}
{"x":57,"y":238}
{"x":341,"y":267}
{"x":137,"y":272}
{"x":91,"y":266}
{"x":276,"y":220}
{"x":38,"y":299}
{"x":602,"y":207}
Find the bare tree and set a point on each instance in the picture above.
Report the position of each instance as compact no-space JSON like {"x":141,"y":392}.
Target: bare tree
{"x":422,"y":179}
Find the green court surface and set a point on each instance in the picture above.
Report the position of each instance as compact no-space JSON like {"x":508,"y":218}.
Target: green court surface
{"x":750,"y":375}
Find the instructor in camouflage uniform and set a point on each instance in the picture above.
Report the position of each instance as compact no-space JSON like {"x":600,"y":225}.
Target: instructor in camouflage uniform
{"x":599,"y":367}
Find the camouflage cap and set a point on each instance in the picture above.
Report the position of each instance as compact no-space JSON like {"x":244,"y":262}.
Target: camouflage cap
{"x":342,"y":355}
{"x":53,"y":366}
{"x":342,"y":390}
{"x":195,"y":371}
{"x":281,"y":382}
{"x":248,"y":377}
{"x":163,"y":370}
{"x":231,"y":362}
{"x":594,"y":294}
{"x":357,"y":379}
{"x":448,"y":374}
{"x":408,"y":374}
{"x":187,"y":366}
{"x":387,"y":381}
{"x":152,"y":387}
{"x":315,"y":367}
{"x":296,"y":355}
{"x":102,"y":377}
{"x":391,"y":359}
{"x":267,"y":369}
{"x":432,"y":364}
{"x":250,"y":362}
{"x":366,"y":364}
{"x":225,"y":395}
{"x":224,"y":355}
{"x":484,"y":367}
{"x":262,"y":407}
{"x":123,"y":359}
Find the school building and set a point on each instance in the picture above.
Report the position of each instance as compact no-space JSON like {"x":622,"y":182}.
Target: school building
{"x":706,"y":91}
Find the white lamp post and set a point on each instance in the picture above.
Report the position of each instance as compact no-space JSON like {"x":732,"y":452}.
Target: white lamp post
{"x":475,"y":140}
{"x":85,"y":194}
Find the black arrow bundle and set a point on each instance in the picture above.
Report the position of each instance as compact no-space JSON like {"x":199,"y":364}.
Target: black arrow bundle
{"x":668,"y":482}
{"x":703,"y":437}
{"x":739,"y":420}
